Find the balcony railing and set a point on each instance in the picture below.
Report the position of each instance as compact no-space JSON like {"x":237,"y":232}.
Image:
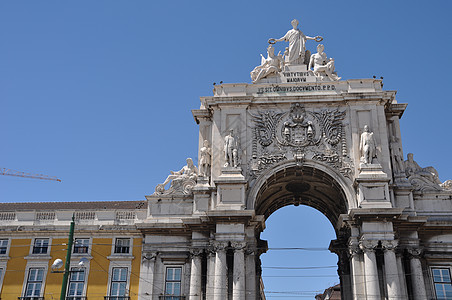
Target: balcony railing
{"x":30,"y":298}
{"x":75,"y":298}
{"x":171,"y":297}
{"x":116,"y":298}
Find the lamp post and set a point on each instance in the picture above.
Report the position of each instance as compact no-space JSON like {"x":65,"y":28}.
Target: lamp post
{"x":58,"y":262}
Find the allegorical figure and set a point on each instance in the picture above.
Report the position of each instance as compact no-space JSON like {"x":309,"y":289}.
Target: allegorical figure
{"x":187,"y":172}
{"x":205,"y":159}
{"x":272,"y":64}
{"x":412,"y":168}
{"x":297,"y":43}
{"x":322,"y":65}
{"x":367,"y":146}
{"x":230,"y":150}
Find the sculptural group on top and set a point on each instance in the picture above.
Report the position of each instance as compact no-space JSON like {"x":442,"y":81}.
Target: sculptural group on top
{"x":296,"y":54}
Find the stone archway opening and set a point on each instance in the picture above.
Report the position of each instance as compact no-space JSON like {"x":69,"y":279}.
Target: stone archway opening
{"x":308,"y":186}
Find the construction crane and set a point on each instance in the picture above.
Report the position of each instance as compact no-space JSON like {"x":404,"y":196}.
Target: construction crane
{"x":9,"y":172}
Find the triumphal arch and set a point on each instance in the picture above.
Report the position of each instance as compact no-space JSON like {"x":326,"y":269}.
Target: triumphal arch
{"x":299,"y":134}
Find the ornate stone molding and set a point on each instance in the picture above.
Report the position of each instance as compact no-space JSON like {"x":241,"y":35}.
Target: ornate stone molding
{"x":196,"y":251}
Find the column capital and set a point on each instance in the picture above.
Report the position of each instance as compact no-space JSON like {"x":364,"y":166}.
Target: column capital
{"x":353,"y":248}
{"x":415,"y":252}
{"x":389,"y":245}
{"x":196,"y":251}
{"x":238,"y":246}
{"x":219,"y":245}
{"x":368,"y":245}
{"x":150,"y":256}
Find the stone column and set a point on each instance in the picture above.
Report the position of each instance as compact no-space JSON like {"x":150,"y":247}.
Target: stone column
{"x":250,"y":257}
{"x":220,"y":291}
{"x":195,"y":274}
{"x":147,"y":269}
{"x":402,"y":280}
{"x":370,"y":269}
{"x":238,"y":285}
{"x":391,"y":270}
{"x":417,"y":275}
{"x":210,"y":288}
{"x":357,"y":276}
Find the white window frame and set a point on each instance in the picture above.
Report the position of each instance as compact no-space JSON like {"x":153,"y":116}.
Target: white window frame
{"x":113,"y":248}
{"x":448,"y":267}
{"x":35,"y":265}
{"x":88,"y":252}
{"x":119,"y":264}
{"x":70,"y":280}
{"x":181,"y":267}
{"x":8,"y":246}
{"x":2,"y":274}
{"x":48,"y":246}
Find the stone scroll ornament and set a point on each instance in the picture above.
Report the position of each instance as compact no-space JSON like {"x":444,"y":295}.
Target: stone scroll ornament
{"x":301,"y":134}
{"x":182,"y":181}
{"x":424,"y":179}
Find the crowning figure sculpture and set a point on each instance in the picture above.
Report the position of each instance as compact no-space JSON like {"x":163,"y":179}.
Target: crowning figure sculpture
{"x":297,"y":43}
{"x":322,"y":65}
{"x":367,"y":146}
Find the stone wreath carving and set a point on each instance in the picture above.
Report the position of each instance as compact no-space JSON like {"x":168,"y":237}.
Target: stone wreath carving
{"x":301,"y":134}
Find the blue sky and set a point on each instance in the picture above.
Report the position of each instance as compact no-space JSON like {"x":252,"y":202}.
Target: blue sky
{"x":99,"y":93}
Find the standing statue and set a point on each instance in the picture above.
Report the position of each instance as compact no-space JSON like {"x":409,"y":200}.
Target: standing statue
{"x":205,"y":160}
{"x":181,"y":181}
{"x":230,"y":150}
{"x":412,"y":168}
{"x":272,"y":64}
{"x":321,"y":64}
{"x":367,"y":146}
{"x":297,"y":43}
{"x":397,"y":157}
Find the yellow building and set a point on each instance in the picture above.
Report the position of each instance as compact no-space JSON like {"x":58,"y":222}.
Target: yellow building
{"x":106,"y":253}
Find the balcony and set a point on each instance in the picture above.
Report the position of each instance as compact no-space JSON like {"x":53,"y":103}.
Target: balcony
{"x":171,"y":297}
{"x":75,"y":298}
{"x":116,"y":298}
{"x":30,"y":298}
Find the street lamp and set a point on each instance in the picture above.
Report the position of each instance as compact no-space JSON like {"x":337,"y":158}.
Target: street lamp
{"x":58,"y":263}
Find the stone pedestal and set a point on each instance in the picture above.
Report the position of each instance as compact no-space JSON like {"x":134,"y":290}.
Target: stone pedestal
{"x":231,"y":186}
{"x":373,"y":189}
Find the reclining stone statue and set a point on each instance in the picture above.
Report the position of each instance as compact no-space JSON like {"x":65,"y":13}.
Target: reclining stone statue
{"x":270,"y":65}
{"x":182,"y":181}
{"x":424,"y":179}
